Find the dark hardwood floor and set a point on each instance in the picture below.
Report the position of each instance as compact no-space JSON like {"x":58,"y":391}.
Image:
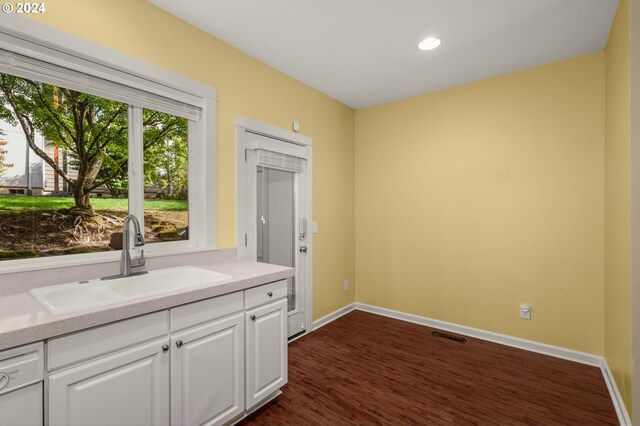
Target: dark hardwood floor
{"x":369,"y":369}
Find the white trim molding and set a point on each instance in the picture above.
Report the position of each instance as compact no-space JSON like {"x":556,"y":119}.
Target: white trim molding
{"x":294,"y":144}
{"x":333,"y":316}
{"x":616,"y":398}
{"x":515,"y":342}
{"x":502,"y":339}
{"x":264,"y":129}
{"x":77,"y":52}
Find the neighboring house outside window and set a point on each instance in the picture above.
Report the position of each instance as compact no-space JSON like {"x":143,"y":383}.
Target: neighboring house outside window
{"x":14,"y":179}
{"x":42,"y":179}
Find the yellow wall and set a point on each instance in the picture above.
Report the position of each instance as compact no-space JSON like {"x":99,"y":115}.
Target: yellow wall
{"x":617,"y":284}
{"x":248,"y":87}
{"x":475,"y":199}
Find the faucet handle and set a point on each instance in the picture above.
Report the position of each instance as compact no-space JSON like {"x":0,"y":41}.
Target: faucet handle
{"x":139,"y":262}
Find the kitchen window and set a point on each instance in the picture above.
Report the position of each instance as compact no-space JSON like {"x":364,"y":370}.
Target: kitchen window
{"x":90,"y":143}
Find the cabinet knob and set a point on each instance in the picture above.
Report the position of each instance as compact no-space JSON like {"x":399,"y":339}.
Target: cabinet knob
{"x":270,"y":294}
{"x":179,"y":343}
{"x":165,"y":348}
{"x":253,"y":317}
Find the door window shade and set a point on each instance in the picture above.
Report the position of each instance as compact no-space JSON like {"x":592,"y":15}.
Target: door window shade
{"x":276,"y":160}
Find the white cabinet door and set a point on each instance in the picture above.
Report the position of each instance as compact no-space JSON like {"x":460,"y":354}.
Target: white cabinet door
{"x":22,"y":407}
{"x":266,"y":350}
{"x":126,"y":388}
{"x":207,"y":373}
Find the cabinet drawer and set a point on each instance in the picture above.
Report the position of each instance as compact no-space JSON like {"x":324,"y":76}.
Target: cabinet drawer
{"x":21,"y":366}
{"x":264,"y":294}
{"x":73,"y":348}
{"x":205,"y":310}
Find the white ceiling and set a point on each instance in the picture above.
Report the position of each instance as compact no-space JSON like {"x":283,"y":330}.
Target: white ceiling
{"x":364,"y":52}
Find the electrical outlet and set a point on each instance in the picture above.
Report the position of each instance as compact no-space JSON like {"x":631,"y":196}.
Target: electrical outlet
{"x":345,"y":285}
{"x":525,"y":312}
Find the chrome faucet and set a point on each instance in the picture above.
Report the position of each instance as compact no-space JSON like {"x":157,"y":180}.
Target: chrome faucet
{"x":125,"y":259}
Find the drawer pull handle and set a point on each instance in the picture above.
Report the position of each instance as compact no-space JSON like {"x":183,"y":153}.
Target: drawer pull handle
{"x":270,"y":294}
{"x":165,"y":348}
{"x":253,"y":317}
{"x":179,"y":343}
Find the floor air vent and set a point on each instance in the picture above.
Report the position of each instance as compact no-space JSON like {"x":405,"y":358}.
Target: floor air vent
{"x":449,"y":336}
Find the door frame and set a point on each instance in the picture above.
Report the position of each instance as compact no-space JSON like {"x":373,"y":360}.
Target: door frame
{"x":297,"y":141}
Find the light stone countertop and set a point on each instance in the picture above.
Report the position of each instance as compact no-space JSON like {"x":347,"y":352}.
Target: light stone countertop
{"x":24,"y":320}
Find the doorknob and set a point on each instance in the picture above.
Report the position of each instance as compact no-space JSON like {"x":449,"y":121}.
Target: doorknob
{"x":303,"y":249}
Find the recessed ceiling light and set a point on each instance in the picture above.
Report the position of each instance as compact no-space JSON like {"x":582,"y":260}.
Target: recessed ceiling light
{"x":429,"y":43}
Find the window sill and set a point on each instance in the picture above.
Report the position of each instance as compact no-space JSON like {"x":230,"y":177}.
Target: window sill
{"x":42,"y":263}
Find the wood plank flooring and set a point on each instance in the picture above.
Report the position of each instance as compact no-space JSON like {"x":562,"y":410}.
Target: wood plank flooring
{"x":368,"y":369}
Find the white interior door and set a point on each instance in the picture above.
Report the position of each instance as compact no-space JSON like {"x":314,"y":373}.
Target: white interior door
{"x":277,"y":214}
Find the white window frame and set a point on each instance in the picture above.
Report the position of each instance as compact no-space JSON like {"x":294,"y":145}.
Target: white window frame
{"x":27,"y":37}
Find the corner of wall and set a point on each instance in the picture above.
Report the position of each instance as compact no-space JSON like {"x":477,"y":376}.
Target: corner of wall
{"x":634,"y":48}
{"x":618,"y":204}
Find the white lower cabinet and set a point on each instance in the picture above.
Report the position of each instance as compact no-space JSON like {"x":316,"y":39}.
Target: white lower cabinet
{"x":205,"y":363}
{"x":207,"y":373}
{"x":266,"y":328}
{"x":127,"y":388}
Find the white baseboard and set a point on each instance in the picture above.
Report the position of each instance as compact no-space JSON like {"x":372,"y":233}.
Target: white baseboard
{"x":616,"y":398}
{"x":333,"y":316}
{"x":541,"y":348}
{"x":515,"y":342}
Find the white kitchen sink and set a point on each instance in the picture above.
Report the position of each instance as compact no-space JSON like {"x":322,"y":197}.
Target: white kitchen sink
{"x":78,"y":296}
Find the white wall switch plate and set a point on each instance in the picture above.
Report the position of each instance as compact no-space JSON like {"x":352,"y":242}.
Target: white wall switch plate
{"x":525,"y":312}
{"x":314,"y":227}
{"x":345,"y":285}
